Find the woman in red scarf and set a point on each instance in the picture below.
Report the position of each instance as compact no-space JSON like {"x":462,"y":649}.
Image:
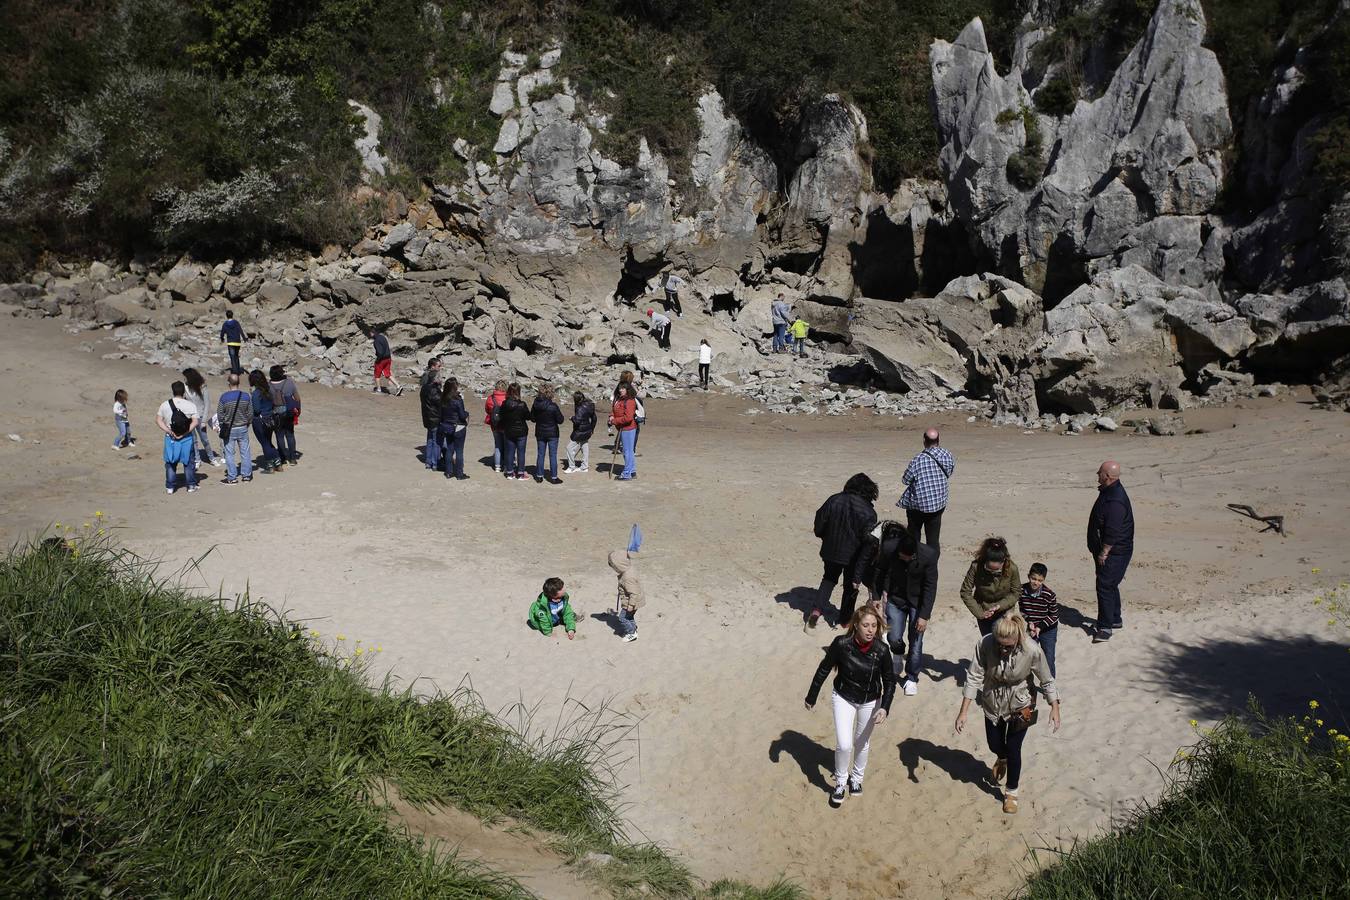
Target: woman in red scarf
{"x":865,"y":681}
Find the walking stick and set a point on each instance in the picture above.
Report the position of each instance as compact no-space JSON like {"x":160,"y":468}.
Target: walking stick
{"x":613,"y":452}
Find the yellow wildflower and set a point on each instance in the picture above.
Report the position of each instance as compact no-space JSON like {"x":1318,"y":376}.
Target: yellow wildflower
{"x":1317,"y":571}
{"x":313,"y":633}
{"x":359,"y":651}
{"x":341,"y":637}
{"x":98,"y":513}
{"x":1194,"y":723}
{"x":1313,"y":704}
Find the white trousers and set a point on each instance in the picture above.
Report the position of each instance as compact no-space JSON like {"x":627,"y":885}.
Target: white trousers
{"x":852,"y":734}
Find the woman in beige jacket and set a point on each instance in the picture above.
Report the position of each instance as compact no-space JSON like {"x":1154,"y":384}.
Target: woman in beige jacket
{"x":997,"y":678}
{"x":992,"y":583}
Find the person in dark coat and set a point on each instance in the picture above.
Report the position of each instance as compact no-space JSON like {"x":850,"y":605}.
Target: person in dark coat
{"x":1110,"y":540}
{"x":842,"y":524}
{"x":583,"y":426}
{"x":906,"y":578}
{"x":512,"y":418}
{"x":547,"y":417}
{"x":453,"y":428}
{"x":429,"y":393}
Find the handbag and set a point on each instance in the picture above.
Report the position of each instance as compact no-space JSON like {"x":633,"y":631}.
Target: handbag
{"x":1024,"y":718}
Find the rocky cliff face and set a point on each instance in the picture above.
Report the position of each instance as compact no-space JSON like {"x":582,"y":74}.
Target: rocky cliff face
{"x":1076,"y":264}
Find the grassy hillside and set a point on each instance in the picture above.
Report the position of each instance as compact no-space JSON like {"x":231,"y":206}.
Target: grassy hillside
{"x":157,"y":743}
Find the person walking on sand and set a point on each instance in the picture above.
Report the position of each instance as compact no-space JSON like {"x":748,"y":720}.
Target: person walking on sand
{"x":660,"y":328}
{"x":992,"y":584}
{"x":842,"y":524}
{"x":781,"y":312}
{"x":925,"y":496}
{"x":494,"y":400}
{"x":235,"y":415}
{"x":513,"y":418}
{"x":997,"y":679}
{"x":384,"y":366}
{"x":285,"y":412}
{"x":547,"y":417}
{"x":583,"y":427}
{"x":429,"y":398}
{"x":452,"y":429}
{"x":623,"y":416}
{"x":907,"y":580}
{"x":261,"y":396}
{"x":631,"y":596}
{"x":705,"y":355}
{"x":1110,"y":540}
{"x":863,"y":689}
{"x":178,"y":418}
{"x":232,"y":336}
{"x":200,"y":397}
{"x":673,"y":285}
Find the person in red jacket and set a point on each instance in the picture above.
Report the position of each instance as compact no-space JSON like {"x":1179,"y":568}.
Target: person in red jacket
{"x":493,"y":401}
{"x":624,"y":417}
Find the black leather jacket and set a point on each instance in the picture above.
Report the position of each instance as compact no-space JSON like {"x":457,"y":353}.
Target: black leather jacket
{"x":431,"y":402}
{"x":862,"y":677}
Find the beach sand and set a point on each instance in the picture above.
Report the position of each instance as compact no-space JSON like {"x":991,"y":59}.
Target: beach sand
{"x":722,"y":763}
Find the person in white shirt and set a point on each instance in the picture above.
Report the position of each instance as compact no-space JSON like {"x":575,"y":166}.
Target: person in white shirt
{"x":179,"y":445}
{"x":704,"y":361}
{"x":660,"y":328}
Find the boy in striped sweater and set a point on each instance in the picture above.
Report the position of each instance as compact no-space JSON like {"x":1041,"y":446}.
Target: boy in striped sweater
{"x":1041,"y":610}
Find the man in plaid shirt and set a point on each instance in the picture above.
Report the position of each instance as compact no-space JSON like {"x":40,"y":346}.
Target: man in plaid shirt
{"x":925,"y":496}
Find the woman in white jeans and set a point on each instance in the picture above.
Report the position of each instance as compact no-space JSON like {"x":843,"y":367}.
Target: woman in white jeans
{"x":865,"y":680}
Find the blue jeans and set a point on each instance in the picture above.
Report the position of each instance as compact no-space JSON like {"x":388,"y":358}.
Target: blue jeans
{"x":189,"y":472}
{"x":903,"y":626}
{"x":452,"y":442}
{"x":234,"y":360}
{"x":628,"y":440}
{"x":432,"y":451}
{"x":551,"y":446}
{"x":286,"y":443}
{"x":263,"y":432}
{"x":498,"y":449}
{"x":801,"y":346}
{"x":238,"y":454}
{"x":779,"y":335}
{"x":1109,"y":576}
{"x":514,"y":460}
{"x":628,"y":621}
{"x":204,"y":444}
{"x":123,"y":432}
{"x":1047,"y":639}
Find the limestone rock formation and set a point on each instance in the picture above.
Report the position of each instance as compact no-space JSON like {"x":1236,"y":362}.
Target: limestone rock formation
{"x":1127,"y":179}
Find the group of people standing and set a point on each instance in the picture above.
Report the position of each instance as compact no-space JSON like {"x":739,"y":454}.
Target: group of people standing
{"x":269,"y":408}
{"x":505,"y":413}
{"x":1014,"y":659}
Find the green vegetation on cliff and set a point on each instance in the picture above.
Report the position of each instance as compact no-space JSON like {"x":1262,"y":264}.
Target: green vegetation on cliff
{"x":158,"y":743}
{"x":222,"y":126}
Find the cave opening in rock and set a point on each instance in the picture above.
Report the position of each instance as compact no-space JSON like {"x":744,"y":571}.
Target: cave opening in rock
{"x":1065,"y":271}
{"x":635,"y":275}
{"x":855,"y":374}
{"x":529,"y":345}
{"x":883,"y":263}
{"x":724,"y":302}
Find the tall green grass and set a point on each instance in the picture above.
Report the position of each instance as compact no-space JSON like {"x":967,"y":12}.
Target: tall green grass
{"x":1257,"y":811}
{"x":158,"y":743}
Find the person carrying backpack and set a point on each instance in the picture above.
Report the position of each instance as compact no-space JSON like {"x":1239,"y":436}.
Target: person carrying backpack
{"x":285,"y":412}
{"x":178,"y":418}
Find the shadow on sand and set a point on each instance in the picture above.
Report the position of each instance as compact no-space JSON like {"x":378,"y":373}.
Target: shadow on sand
{"x":814,"y":760}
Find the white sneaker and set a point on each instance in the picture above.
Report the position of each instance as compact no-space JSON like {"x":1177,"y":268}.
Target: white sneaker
{"x":169,"y":491}
{"x":629,"y":638}
{"x":496,"y":468}
{"x":116,"y":447}
{"x":217,"y":462}
{"x":911,"y":688}
{"x":192,"y":489}
{"x":584,"y":469}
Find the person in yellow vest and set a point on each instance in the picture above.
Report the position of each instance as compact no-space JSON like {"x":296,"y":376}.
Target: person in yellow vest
{"x":798,"y":331}
{"x":233,"y":337}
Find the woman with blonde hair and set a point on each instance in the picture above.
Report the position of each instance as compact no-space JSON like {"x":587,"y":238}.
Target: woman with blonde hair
{"x":865,"y":680}
{"x":997,"y":680}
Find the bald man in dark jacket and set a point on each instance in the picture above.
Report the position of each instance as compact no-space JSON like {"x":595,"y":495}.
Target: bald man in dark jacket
{"x":1110,"y":540}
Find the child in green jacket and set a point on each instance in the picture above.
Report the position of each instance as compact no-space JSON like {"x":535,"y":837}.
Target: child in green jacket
{"x":553,"y":607}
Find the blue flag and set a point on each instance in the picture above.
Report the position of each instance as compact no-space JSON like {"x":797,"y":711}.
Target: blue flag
{"x":635,"y":539}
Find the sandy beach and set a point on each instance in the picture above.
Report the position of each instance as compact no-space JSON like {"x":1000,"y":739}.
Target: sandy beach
{"x":723,"y":764}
